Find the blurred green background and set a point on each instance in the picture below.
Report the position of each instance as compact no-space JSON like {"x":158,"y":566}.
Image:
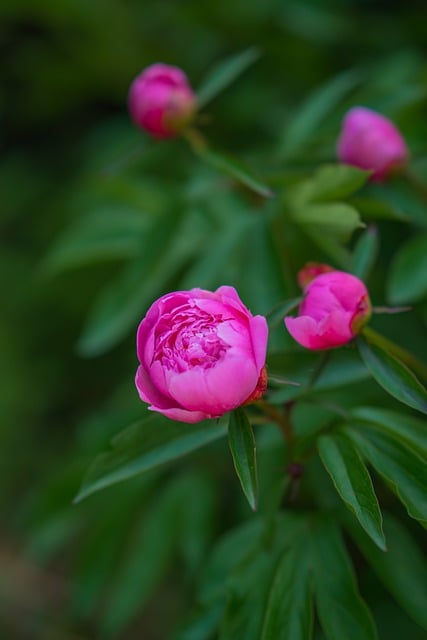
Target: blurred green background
{"x":69,"y":150}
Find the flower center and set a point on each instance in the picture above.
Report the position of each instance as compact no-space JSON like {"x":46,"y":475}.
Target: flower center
{"x":187,"y":337}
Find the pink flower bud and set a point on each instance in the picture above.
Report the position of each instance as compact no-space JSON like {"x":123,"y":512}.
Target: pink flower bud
{"x":161,"y":101}
{"x":369,"y":140}
{"x":336,"y":306}
{"x":201,"y":354}
{"x":310,"y":271}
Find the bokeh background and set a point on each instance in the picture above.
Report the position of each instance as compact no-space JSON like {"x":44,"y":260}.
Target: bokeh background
{"x":68,"y":151}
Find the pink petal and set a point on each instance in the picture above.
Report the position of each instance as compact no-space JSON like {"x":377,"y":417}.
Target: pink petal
{"x":259,"y":336}
{"x":214,"y":391}
{"x":182,"y":415}
{"x":149,"y":393}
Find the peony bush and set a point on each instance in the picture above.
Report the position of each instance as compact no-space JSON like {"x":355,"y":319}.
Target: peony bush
{"x":275,"y":307}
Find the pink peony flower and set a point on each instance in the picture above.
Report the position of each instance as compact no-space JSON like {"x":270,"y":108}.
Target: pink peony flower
{"x":336,"y":306}
{"x":201,"y":354}
{"x":370,"y":141}
{"x":161,"y":101}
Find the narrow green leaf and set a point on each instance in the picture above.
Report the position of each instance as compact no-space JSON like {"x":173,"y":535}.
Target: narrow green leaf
{"x":393,"y":376}
{"x":235,"y":169}
{"x":341,"y":610}
{"x":404,"y":471}
{"x":402,"y":570}
{"x":289,"y":611}
{"x":314,"y":110}
{"x":146,"y":444}
{"x":407,"y":280}
{"x":353,"y":483}
{"x":410,"y":430}
{"x":365,"y":253}
{"x":224,"y":74}
{"x":243,"y":450}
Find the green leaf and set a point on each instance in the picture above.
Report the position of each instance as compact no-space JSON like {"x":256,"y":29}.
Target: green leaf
{"x":235,"y":169}
{"x":402,"y":570}
{"x":314,"y":110}
{"x":146,"y":444}
{"x":407,"y":279}
{"x":243,"y":450}
{"x":378,"y":208}
{"x":103,"y":235}
{"x":365,"y":253}
{"x":353,"y":483}
{"x":331,"y":182}
{"x":404,"y":471}
{"x":224,"y":74}
{"x":228,"y":553}
{"x":146,"y":557}
{"x":393,"y":376}
{"x":289,"y":610}
{"x":247,"y":593}
{"x":335,"y":219}
{"x":341,"y":610}
{"x":119,"y":307}
{"x":410,"y":430}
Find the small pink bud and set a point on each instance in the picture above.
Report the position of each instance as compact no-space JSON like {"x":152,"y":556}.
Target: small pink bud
{"x":369,"y":140}
{"x":335,"y":308}
{"x":310,"y":271}
{"x":161,"y":101}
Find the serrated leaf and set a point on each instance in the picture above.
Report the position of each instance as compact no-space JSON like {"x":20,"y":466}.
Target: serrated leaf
{"x":314,"y":110}
{"x":353,"y":483}
{"x":407,"y":279}
{"x":393,"y":376}
{"x":235,"y":169}
{"x":404,"y":471}
{"x":146,"y":444}
{"x":243,"y":450}
{"x":289,"y":610}
{"x":365,"y":253}
{"x":341,"y":610}
{"x":402,"y":570}
{"x":224,"y":74}
{"x":410,"y":430}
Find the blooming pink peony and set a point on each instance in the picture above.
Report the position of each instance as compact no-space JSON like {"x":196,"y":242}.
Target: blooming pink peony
{"x":370,"y":141}
{"x":161,"y":101}
{"x":201,"y":354}
{"x":336,"y":306}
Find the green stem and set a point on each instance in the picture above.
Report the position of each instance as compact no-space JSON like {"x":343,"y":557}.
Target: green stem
{"x":321,"y":364}
{"x":395,"y":350}
{"x":278,"y":233}
{"x":281,"y":419}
